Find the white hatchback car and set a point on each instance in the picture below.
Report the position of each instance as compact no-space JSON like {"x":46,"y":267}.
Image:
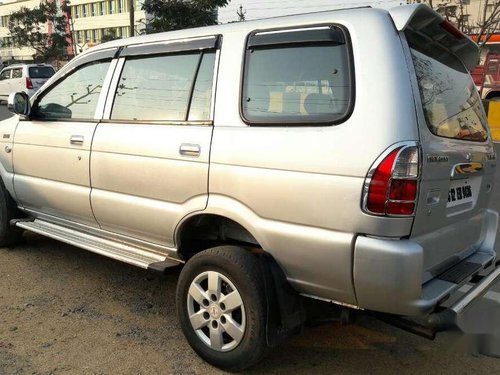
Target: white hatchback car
{"x":24,"y":77}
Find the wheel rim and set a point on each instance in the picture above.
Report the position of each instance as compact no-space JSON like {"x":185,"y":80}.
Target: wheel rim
{"x":216,"y":311}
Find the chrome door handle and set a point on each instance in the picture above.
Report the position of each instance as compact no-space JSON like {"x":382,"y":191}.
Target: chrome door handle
{"x":188,"y":149}
{"x":76,"y":140}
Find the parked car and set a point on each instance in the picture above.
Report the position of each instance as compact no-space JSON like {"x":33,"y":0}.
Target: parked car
{"x":27,"y":78}
{"x":275,"y":158}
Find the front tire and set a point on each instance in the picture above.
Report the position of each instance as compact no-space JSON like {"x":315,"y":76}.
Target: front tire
{"x":222,"y":307}
{"x":8,"y":235}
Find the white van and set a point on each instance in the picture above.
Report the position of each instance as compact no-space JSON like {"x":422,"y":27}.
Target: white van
{"x":27,"y":78}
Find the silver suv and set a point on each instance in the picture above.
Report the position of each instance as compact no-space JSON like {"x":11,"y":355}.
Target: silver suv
{"x":24,"y":77}
{"x":292,"y":156}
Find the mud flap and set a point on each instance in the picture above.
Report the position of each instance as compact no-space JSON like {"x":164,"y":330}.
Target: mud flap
{"x":286,"y":312}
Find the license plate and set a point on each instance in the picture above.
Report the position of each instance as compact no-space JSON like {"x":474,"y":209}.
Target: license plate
{"x":461,"y":192}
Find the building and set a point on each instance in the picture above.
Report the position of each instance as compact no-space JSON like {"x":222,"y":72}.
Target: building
{"x":92,"y":21}
{"x":89,"y":21}
{"x":7,"y":52}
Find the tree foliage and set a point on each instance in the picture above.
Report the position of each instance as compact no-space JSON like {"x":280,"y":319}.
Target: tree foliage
{"x":27,"y":28}
{"x":109,"y":35}
{"x":170,"y":15}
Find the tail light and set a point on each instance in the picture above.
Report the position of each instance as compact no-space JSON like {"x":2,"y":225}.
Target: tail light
{"x":391,"y":185}
{"x":29,"y":84}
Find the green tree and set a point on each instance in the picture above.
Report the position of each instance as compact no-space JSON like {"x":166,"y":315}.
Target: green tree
{"x":170,"y":15}
{"x":27,"y":28}
{"x":109,"y":35}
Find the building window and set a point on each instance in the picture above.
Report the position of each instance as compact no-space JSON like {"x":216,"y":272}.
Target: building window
{"x":102,"y":8}
{"x":76,"y":11}
{"x":93,"y":6}
{"x":125,"y":33}
{"x":121,"y":6}
{"x":112,"y":8}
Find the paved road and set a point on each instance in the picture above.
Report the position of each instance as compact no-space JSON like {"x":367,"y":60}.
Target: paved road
{"x":67,"y":311}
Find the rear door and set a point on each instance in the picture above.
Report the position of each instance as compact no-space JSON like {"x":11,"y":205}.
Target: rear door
{"x":150,"y":154}
{"x":17,"y":82}
{"x":458,"y":165}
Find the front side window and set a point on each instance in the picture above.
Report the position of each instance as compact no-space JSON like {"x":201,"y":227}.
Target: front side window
{"x":450,"y":101}
{"x":159,"y":88}
{"x":76,"y":96}
{"x":5,"y":75}
{"x":297,"y":78}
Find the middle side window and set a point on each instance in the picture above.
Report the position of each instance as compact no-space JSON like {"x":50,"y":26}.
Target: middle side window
{"x":163,"y":88}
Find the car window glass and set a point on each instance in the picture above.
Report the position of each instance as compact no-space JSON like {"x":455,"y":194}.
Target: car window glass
{"x":202,"y":93}
{"x":451,"y":103}
{"x":5,"y":74}
{"x":41,"y":72}
{"x":75,"y":96}
{"x":297,"y":83}
{"x":17,"y":73}
{"x":155,"y":88}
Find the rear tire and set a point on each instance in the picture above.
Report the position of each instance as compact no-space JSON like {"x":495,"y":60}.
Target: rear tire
{"x":9,"y":235}
{"x":229,"y":333}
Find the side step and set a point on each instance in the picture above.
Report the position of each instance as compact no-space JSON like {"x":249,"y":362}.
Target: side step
{"x":116,"y":250}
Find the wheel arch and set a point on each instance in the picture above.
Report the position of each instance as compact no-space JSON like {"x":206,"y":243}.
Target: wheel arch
{"x":203,"y":230}
{"x":492,"y":94}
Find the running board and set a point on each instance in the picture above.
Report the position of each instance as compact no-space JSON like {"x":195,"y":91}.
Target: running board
{"x":116,"y":250}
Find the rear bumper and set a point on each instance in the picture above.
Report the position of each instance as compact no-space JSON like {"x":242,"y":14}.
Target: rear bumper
{"x":388,"y":274}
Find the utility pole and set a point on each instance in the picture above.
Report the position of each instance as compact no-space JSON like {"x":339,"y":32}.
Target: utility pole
{"x":131,"y":15}
{"x":241,"y":14}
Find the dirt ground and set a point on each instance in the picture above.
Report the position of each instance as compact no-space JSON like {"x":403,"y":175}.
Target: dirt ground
{"x":67,"y":311}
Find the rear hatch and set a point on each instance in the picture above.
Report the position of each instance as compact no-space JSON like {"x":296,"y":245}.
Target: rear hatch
{"x":458,"y":159}
{"x":39,"y":75}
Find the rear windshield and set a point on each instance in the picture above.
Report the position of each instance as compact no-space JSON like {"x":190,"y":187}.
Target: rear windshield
{"x":41,"y":72}
{"x":451,"y":103}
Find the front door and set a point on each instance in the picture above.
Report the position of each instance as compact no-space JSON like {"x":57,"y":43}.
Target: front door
{"x":5,"y":83}
{"x":51,"y":152}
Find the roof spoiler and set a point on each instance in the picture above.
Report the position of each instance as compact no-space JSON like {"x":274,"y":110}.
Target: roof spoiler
{"x":427,"y":23}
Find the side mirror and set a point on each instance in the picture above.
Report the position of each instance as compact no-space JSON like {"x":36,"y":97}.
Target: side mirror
{"x":19,"y":103}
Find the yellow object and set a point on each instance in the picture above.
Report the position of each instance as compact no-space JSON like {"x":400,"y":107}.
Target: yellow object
{"x":494,"y":120}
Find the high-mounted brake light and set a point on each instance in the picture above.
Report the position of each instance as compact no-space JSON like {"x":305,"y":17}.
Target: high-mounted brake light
{"x":29,"y":84}
{"x":392,"y":183}
{"x":452,"y":29}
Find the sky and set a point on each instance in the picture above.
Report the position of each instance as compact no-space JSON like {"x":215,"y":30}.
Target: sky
{"x":270,"y":8}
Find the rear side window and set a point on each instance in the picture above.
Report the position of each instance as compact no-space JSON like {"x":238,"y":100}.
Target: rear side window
{"x":41,"y":72}
{"x":450,"y":101}
{"x":174,"y":87}
{"x":297,"y":77}
{"x":17,"y":73}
